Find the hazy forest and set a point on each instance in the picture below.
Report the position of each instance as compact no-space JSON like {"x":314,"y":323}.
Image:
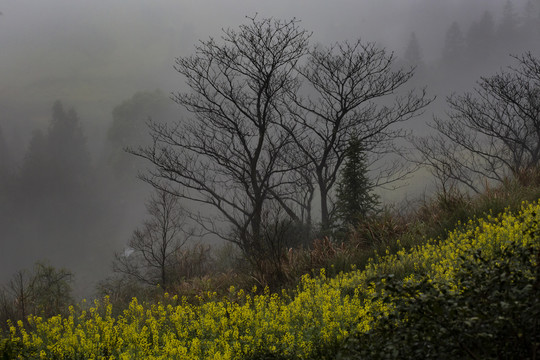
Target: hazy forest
{"x":274,"y":163}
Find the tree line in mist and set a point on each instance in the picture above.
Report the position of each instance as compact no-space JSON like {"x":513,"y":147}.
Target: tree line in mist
{"x":66,"y":205}
{"x":269,"y":125}
{"x":480,"y":48}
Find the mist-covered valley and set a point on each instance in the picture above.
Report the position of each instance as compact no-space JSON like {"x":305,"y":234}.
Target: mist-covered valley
{"x":79,"y":81}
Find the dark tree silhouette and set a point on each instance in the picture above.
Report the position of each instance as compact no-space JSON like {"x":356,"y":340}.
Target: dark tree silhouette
{"x":43,"y":291}
{"x":413,"y":53}
{"x":347,"y":83}
{"x":492,"y":133}
{"x":69,"y":159}
{"x":355,"y":199}
{"x":228,"y":154}
{"x":57,"y":162}
{"x":481,"y":40}
{"x":34,"y":164}
{"x":454,"y":47}
{"x":508,"y":29}
{"x":56,"y":201}
{"x":155,"y":247}
{"x":253,"y":140}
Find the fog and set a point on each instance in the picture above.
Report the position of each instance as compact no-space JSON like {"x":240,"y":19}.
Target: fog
{"x":95,"y":56}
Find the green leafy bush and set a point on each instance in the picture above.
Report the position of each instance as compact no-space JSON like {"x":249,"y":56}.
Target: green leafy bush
{"x":490,"y":311}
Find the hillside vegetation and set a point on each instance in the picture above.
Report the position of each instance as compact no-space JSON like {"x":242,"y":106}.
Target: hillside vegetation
{"x":474,"y":294}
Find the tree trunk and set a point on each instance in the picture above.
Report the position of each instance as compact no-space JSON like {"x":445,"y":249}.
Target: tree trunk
{"x":325,"y":216}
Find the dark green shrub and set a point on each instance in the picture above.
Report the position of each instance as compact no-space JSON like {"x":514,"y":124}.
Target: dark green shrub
{"x":493,"y":313}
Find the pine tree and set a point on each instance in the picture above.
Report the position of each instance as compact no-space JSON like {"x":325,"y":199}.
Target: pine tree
{"x":57,"y":184}
{"x":35,"y":168}
{"x":69,"y":159}
{"x":354,"y":192}
{"x":413,"y":53}
{"x":454,"y":46}
{"x":481,"y":40}
{"x":508,"y":30}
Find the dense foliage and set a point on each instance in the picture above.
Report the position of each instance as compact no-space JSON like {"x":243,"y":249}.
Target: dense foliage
{"x":491,"y":310}
{"x":476,"y":290}
{"x":355,"y":199}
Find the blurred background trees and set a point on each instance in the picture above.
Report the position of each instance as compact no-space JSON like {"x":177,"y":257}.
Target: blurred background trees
{"x":491,"y":134}
{"x":55,"y":192}
{"x":43,"y":291}
{"x":153,"y":250}
{"x":103,"y":201}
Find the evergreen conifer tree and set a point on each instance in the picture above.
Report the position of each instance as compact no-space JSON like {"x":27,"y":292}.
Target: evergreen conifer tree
{"x":454,"y":47}
{"x":413,"y":53}
{"x":481,"y":40}
{"x":354,"y":192}
{"x":508,"y":30}
{"x":57,"y":194}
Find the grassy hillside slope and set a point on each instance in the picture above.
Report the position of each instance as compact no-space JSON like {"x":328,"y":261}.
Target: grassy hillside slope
{"x":347,"y":315}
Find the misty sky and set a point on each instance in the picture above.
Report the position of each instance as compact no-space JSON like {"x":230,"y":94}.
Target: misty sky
{"x":93,"y":55}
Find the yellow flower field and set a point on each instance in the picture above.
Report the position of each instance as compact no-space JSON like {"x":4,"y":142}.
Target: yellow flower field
{"x":314,"y":321}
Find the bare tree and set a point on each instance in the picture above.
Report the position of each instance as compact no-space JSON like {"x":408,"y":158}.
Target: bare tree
{"x":253,"y":142}
{"x":44,"y":291}
{"x":298,"y":191}
{"x":348,"y":83}
{"x":20,"y":291}
{"x":153,"y":248}
{"x":229,"y":154}
{"x":491,"y":133}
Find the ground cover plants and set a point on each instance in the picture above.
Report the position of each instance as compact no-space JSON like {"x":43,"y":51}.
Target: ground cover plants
{"x":492,"y":314}
{"x":329,"y":316}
